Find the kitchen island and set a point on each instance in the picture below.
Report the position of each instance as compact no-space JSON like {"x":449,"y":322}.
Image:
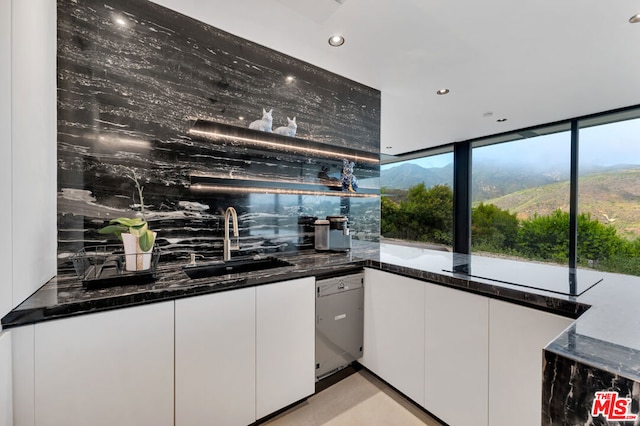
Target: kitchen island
{"x":599,"y":351}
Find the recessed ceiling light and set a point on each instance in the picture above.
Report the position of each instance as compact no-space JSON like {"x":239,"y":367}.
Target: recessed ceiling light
{"x":635,"y":18}
{"x":336,"y":40}
{"x":241,"y":118}
{"x":442,"y":91}
{"x":501,"y":120}
{"x":289,"y":78}
{"x":121,"y":21}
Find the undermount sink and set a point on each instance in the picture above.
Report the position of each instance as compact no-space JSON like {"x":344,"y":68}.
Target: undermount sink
{"x":233,"y":266}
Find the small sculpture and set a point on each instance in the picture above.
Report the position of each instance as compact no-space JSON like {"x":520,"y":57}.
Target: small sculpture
{"x":289,"y":130}
{"x":349,"y":181}
{"x":263,"y":124}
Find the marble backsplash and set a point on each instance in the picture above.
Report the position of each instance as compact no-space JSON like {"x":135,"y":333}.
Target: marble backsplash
{"x":134,"y":77}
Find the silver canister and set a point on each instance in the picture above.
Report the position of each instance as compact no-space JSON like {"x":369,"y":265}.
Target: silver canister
{"x":321,"y":234}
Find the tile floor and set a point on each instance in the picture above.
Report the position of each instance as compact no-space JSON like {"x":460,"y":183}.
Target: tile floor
{"x":358,"y":400}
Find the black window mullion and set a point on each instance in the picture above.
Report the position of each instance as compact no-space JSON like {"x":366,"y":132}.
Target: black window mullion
{"x":462,"y":198}
{"x":573,"y":198}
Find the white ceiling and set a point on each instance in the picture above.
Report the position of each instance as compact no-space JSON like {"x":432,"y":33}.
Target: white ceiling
{"x":532,"y":62}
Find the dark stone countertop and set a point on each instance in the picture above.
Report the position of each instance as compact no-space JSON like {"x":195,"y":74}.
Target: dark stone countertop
{"x":604,"y":336}
{"x":65,"y":296}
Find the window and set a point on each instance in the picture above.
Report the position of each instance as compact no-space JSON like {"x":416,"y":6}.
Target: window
{"x":520,"y":195}
{"x":417,"y":200}
{"x":609,"y":193}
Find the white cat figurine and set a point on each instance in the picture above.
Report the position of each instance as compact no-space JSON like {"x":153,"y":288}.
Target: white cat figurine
{"x":289,"y":130}
{"x":265,"y":123}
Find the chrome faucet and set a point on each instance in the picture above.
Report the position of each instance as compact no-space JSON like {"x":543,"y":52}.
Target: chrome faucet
{"x":226,"y":254}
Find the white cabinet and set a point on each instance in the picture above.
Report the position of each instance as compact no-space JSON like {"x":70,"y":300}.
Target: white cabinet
{"x":394,"y":331}
{"x":215,"y":359}
{"x":517,"y":337}
{"x":285,"y":344}
{"x":466,"y":358}
{"x":6,"y":400}
{"x":456,"y":355}
{"x":109,"y":368}
{"x":22,"y":342}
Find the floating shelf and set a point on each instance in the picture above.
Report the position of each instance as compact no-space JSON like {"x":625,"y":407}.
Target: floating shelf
{"x":212,"y":184}
{"x":225,"y":133}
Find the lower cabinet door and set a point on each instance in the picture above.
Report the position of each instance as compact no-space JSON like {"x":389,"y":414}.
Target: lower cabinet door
{"x":285,"y":348}
{"x":456,"y":355}
{"x":105,"y":369}
{"x":215,"y":359}
{"x":6,"y":400}
{"x":517,"y":337}
{"x":394,"y":331}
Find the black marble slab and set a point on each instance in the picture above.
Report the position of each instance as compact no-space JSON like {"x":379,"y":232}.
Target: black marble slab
{"x":599,"y":352}
{"x":65,"y":295}
{"x":135,"y":80}
{"x":569,"y":401}
{"x":541,"y":286}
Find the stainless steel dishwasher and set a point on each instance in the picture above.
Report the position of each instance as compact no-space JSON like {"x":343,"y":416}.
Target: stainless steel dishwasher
{"x":339,"y":322}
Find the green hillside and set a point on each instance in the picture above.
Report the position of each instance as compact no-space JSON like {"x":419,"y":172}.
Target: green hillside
{"x":611,"y":197}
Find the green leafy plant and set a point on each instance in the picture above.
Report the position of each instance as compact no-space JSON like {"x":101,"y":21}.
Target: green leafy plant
{"x":136,"y":226}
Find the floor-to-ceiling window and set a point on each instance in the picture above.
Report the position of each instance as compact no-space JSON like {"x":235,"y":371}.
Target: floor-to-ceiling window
{"x":521,"y":186}
{"x":417,"y":199}
{"x":609,"y":193}
{"x":520,"y":195}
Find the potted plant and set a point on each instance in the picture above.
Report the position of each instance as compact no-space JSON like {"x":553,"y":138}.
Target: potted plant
{"x":134,"y":233}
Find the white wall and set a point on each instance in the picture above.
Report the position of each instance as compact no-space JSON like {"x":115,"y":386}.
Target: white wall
{"x":27,"y":163}
{"x":6,"y":284}
{"x":6,"y":409}
{"x":6,"y":287}
{"x":32,"y":148}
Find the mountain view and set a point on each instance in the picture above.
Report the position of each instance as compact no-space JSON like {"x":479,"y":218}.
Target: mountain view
{"x":609,"y":194}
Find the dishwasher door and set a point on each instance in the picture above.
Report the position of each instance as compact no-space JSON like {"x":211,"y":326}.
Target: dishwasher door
{"x":339,"y":322}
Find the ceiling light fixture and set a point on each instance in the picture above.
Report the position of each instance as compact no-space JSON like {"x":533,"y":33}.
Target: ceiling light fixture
{"x":290,"y":78}
{"x":501,"y":120}
{"x":336,"y":40}
{"x":442,"y":91}
{"x":635,"y":18}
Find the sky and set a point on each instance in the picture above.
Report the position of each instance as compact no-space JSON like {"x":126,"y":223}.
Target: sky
{"x":603,"y":145}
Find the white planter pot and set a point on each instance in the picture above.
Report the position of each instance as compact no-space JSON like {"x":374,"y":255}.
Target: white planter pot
{"x":135,"y":258}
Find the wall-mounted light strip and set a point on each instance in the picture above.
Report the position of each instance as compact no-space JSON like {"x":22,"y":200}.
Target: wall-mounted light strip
{"x":217,"y":132}
{"x":263,"y":190}
{"x":199,"y":177}
{"x":320,"y":187}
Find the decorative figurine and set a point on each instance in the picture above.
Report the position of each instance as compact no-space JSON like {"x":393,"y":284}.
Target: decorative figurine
{"x":349,"y":181}
{"x":289,"y":130}
{"x":263,"y":124}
